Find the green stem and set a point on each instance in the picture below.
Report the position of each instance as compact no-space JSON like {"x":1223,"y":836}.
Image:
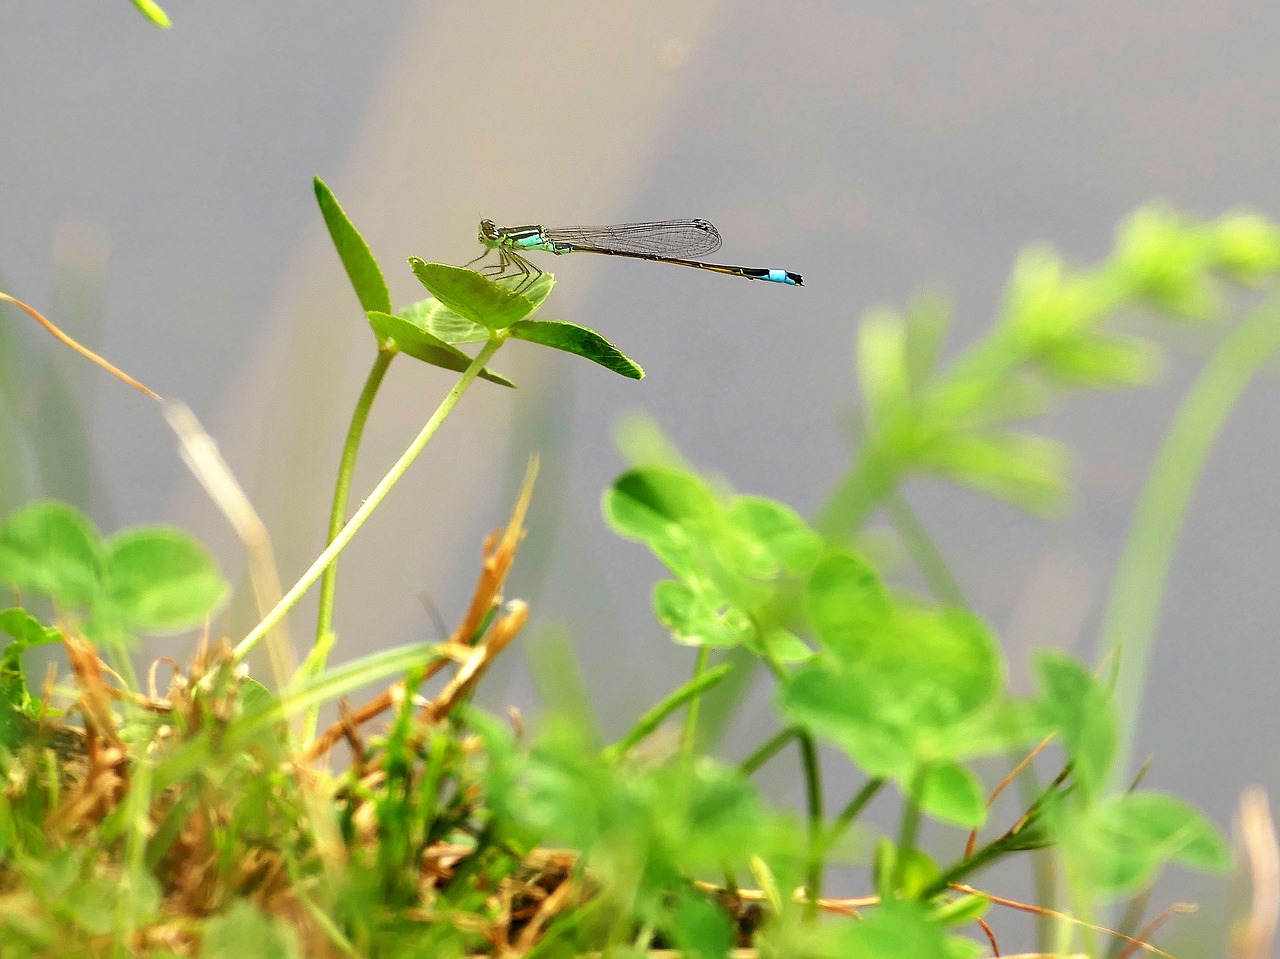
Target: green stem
{"x":650,"y":721}
{"x":689,"y":738}
{"x":850,"y":813}
{"x":768,"y":750}
{"x":908,"y":831}
{"x":813,"y":798}
{"x":854,"y":497}
{"x":924,"y":551}
{"x":1140,"y":580}
{"x":374,"y":500}
{"x":342,"y":489}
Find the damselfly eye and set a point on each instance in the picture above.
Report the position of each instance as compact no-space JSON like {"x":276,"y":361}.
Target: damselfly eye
{"x":489,"y":229}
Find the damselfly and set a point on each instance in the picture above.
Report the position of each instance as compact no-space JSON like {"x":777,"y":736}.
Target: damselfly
{"x":663,"y":241}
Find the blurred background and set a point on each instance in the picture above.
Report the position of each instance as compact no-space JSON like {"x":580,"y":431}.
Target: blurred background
{"x":156,"y":200}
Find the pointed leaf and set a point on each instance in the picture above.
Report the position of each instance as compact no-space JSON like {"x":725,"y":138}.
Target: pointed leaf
{"x":161,"y":580}
{"x":410,"y":339}
{"x":578,"y":340}
{"x":362,"y":269}
{"x":492,"y":305}
{"x":51,"y":549}
{"x":951,"y":793}
{"x":1078,"y":707}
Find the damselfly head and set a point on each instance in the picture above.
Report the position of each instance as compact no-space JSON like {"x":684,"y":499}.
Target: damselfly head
{"x":488,"y":230}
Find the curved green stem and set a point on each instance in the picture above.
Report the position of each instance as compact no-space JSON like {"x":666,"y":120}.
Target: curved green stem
{"x":1140,"y":580}
{"x":688,"y":739}
{"x":924,"y":551}
{"x":342,"y":488}
{"x":850,"y":813}
{"x":374,"y":500}
{"x":650,"y":721}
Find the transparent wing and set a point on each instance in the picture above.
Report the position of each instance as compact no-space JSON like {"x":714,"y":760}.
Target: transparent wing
{"x":678,"y":238}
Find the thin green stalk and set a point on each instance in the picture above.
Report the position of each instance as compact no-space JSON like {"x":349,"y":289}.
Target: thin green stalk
{"x":342,"y":488}
{"x":851,"y":811}
{"x":854,"y":497}
{"x":812,"y":786}
{"x":337,"y":513}
{"x":768,"y":750}
{"x":1140,"y":580}
{"x":651,"y":720}
{"x":908,"y":832}
{"x":374,"y":500}
{"x":813,"y":800}
{"x":924,"y":551}
{"x":689,"y":738}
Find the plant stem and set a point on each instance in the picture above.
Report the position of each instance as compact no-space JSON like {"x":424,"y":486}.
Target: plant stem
{"x":768,"y":750}
{"x":651,"y":720}
{"x":813,"y":796}
{"x":924,"y":551}
{"x":1137,"y":594}
{"x":850,"y":812}
{"x":908,"y":830}
{"x":689,"y":739}
{"x":854,"y":497}
{"x":342,"y":488}
{"x":374,"y":500}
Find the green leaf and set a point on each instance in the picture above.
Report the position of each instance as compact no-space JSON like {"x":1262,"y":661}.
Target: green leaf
{"x":243,"y":931}
{"x":1076,"y":705}
{"x":1103,"y":360}
{"x":578,"y":340}
{"x":409,"y":338}
{"x":1246,"y":246}
{"x":160,"y":580}
{"x":441,"y":322}
{"x":950,"y":792}
{"x":845,"y":602}
{"x":53,"y":550}
{"x":650,"y":503}
{"x":882,"y":363}
{"x":784,"y":536}
{"x":472,"y":296}
{"x":153,"y":12}
{"x":1164,"y":259}
{"x":895,"y":929}
{"x":362,"y":269}
{"x":1026,"y":470}
{"x":1136,"y":834}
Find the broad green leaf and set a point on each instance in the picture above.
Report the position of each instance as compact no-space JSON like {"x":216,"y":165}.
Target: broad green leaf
{"x":692,"y":622}
{"x":893,"y":930}
{"x":846,"y":603}
{"x":160,"y":580}
{"x":650,"y":503}
{"x":784,"y":536}
{"x":950,"y":792}
{"x":1076,"y":705}
{"x":472,"y":296}
{"x":961,"y":911}
{"x":408,"y":338}
{"x":53,"y":550}
{"x":26,"y":630}
{"x":441,"y":322}
{"x":578,"y":340}
{"x":1133,"y":835}
{"x":242,"y":931}
{"x":362,"y":269}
